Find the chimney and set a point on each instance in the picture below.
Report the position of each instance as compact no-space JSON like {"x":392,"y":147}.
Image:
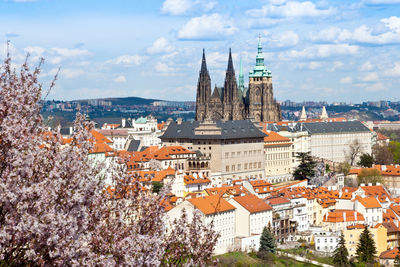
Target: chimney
{"x":362,"y":184}
{"x":123,"y":122}
{"x":71,"y":130}
{"x":378,"y":183}
{"x":396,"y":222}
{"x":344,"y":216}
{"x":355,"y":215}
{"x":179,"y":121}
{"x":369,"y":184}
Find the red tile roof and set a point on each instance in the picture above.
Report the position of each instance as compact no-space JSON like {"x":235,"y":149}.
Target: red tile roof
{"x":252,"y":203}
{"x":211,"y":204}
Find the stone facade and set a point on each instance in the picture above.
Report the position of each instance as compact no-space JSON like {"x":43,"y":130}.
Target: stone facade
{"x":233,"y":101}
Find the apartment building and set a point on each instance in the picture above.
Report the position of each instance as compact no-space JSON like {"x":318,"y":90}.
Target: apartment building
{"x":235,"y":148}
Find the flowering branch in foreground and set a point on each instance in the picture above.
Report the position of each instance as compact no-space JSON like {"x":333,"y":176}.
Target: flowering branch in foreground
{"x":54,"y":209}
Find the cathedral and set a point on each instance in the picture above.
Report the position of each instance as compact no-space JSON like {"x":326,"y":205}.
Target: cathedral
{"x":234,"y":101}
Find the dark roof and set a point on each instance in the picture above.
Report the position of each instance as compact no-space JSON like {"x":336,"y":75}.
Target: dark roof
{"x":65,"y":131}
{"x":101,"y":121}
{"x":133,"y":145}
{"x":335,"y":127}
{"x":229,"y":130}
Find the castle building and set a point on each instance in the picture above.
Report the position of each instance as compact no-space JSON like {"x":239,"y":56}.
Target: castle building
{"x":234,"y":101}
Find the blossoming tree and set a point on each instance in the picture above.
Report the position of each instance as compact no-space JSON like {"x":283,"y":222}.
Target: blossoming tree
{"x":54,"y":209}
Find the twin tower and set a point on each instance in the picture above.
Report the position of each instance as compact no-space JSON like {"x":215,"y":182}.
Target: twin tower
{"x":234,"y":101}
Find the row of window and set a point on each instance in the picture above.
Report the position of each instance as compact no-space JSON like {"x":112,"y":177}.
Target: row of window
{"x":277,"y":156}
{"x":251,"y":165}
{"x":238,"y":154}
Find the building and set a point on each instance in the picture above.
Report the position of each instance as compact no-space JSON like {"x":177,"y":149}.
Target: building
{"x":332,"y":140}
{"x":278,"y":151}
{"x":213,"y":209}
{"x":371,"y":209}
{"x":252,"y":215}
{"x":326,"y":241}
{"x":283,"y":225}
{"x":233,"y":101}
{"x":352,"y":237}
{"x":235,"y":148}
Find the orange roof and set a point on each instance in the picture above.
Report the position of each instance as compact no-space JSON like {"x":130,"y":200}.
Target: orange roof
{"x":369,"y":202}
{"x":382,"y":137}
{"x":211,"y":204}
{"x":160,"y":125}
{"x":356,"y":226}
{"x":252,"y":203}
{"x":100,"y":148}
{"x":165,"y":152}
{"x":349,"y":189}
{"x":277,"y":201}
{"x":377,"y":191}
{"x":338,"y":216}
{"x":99,"y":138}
{"x":389,"y":254}
{"x":162,"y":174}
{"x":190,"y":179}
{"x":274,"y":137}
{"x":236,"y":190}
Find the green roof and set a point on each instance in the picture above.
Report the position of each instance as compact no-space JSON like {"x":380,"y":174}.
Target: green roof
{"x":259,"y":69}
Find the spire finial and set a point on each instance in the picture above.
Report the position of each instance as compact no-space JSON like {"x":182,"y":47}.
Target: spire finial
{"x":230,"y":63}
{"x":203,"y":63}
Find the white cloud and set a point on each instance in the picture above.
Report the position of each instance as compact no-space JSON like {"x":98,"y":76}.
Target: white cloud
{"x":182,"y":7}
{"x":67,"y":72}
{"x":120,"y":79}
{"x":212,"y":26}
{"x":176,"y":7}
{"x":66,"y":52}
{"x":322,"y":51}
{"x":367,"y":66}
{"x":55,"y":60}
{"x":161,"y":45}
{"x":379,"y":2}
{"x":290,"y":9}
{"x":162,"y":67}
{"x":375,"y":87}
{"x":393,"y":72}
{"x":370,"y":77}
{"x":34,"y":50}
{"x":285,"y":39}
{"x":315,"y":65}
{"x":127,"y":60}
{"x":362,"y":34}
{"x":346,"y":80}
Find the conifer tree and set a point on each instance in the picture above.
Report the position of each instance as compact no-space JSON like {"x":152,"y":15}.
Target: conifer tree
{"x":340,"y":255}
{"x":397,"y":259}
{"x":267,"y":241}
{"x":366,"y":250}
{"x":305,"y":170}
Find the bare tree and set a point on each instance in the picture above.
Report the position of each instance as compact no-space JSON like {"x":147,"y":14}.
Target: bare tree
{"x":382,"y":155}
{"x":355,"y":149}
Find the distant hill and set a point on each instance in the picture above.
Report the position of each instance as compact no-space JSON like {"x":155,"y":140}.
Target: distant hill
{"x":124,"y":100}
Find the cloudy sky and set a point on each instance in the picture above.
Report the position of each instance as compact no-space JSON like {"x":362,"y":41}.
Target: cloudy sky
{"x":336,"y":50}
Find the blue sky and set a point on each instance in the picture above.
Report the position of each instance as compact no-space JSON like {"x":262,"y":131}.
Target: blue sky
{"x":341,"y":50}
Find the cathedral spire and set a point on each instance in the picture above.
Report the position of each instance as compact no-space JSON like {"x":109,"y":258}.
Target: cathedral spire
{"x":203,"y":63}
{"x":260,"y":70}
{"x":230,"y":63}
{"x":241,"y":76}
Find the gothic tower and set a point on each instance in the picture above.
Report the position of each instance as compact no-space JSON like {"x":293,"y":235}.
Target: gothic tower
{"x":262,"y":105}
{"x":203,"y":90}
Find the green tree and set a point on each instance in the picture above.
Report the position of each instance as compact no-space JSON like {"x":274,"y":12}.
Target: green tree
{"x":397,"y":259}
{"x":369,"y":176}
{"x":267,"y":241}
{"x":157,"y":187}
{"x":344,"y":168}
{"x":341,"y":255}
{"x":366,"y":160}
{"x":394,"y":147}
{"x":366,"y":250}
{"x":305,"y":170}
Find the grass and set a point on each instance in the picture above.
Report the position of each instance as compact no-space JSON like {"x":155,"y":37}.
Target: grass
{"x":305,"y":253}
{"x":251,"y":259}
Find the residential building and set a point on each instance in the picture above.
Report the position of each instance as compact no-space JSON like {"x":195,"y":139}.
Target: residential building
{"x":235,"y":148}
{"x":338,"y":220}
{"x":278,"y":151}
{"x":370,"y":208}
{"x":352,"y":237}
{"x":213,"y":209}
{"x":326,"y":241}
{"x":283,"y":225}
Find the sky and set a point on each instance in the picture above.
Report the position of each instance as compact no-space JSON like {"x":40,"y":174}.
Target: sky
{"x":328,"y":50}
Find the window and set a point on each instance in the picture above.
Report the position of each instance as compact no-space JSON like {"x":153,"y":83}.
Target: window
{"x":226,"y":155}
{"x":233,"y":168}
{"x":227,"y":168}
{"x":245,"y":166}
{"x":239,"y":167}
